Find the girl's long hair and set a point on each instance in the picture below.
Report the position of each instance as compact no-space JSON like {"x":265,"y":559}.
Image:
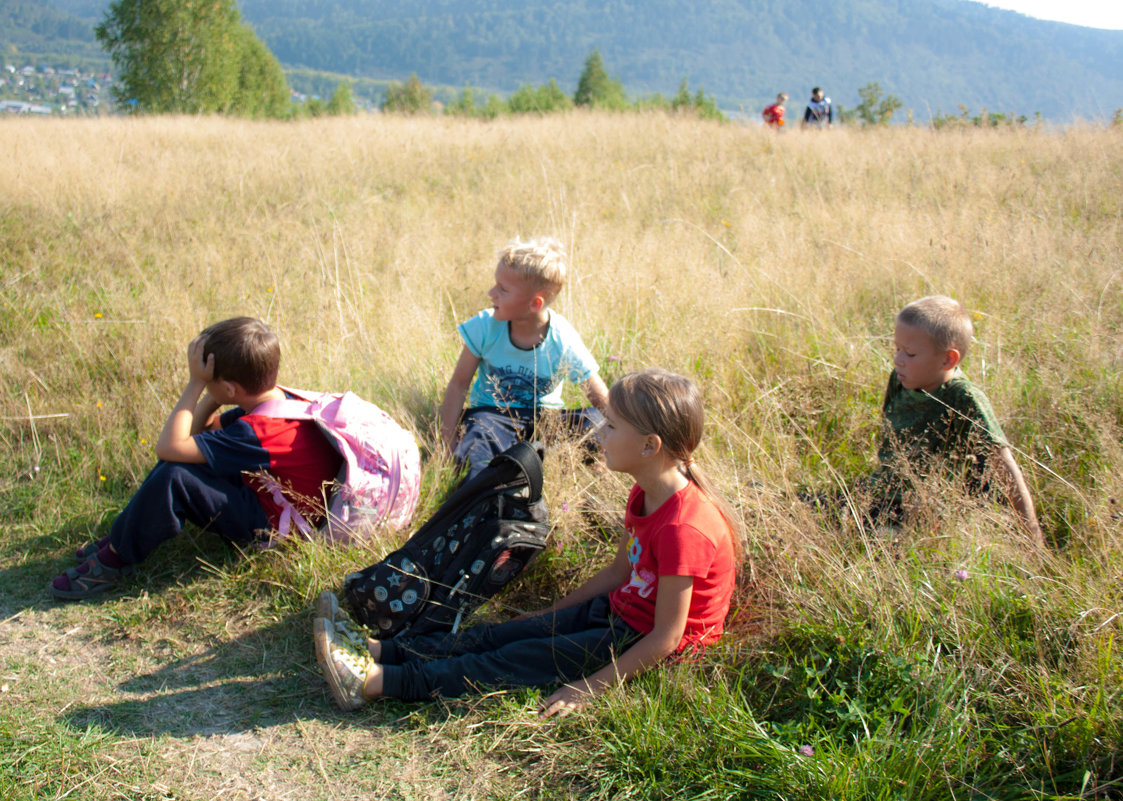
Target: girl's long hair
{"x":657,"y":401}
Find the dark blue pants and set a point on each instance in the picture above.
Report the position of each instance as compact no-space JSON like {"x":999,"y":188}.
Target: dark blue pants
{"x":173,"y":494}
{"x":560,"y":647}
{"x":489,"y":431}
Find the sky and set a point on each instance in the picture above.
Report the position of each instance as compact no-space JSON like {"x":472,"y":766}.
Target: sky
{"x":1092,"y":13}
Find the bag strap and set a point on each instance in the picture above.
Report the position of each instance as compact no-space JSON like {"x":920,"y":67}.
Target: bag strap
{"x":528,"y":460}
{"x":285,"y":409}
{"x":297,"y":405}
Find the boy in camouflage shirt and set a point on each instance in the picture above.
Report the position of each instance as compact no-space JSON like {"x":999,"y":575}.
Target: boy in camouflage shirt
{"x":933,"y":417}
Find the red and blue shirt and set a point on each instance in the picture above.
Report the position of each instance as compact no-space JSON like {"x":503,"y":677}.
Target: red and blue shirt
{"x":294,"y":452}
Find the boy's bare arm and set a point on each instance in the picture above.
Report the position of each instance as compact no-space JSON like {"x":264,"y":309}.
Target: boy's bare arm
{"x":205,"y":417}
{"x":176,"y":443}
{"x":1018,"y":492}
{"x":596,"y":392}
{"x":455,"y":394}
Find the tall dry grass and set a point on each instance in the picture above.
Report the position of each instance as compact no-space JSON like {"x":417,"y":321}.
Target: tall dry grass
{"x":767,"y":267}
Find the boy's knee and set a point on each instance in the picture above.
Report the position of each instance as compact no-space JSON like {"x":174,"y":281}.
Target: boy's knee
{"x":487,"y":434}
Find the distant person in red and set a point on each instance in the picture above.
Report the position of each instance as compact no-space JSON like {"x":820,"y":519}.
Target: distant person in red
{"x":774,"y":114}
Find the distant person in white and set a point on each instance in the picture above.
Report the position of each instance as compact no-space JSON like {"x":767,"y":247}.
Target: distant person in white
{"x":819,"y":112}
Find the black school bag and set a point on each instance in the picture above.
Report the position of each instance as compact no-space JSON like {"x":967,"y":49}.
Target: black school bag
{"x":482,"y":536}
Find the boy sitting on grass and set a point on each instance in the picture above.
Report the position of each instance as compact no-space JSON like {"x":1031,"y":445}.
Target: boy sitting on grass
{"x":520,"y":353}
{"x":206,"y":473}
{"x":933,"y":417}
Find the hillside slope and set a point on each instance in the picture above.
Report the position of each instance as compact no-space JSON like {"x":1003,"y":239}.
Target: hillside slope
{"x":933,"y":54}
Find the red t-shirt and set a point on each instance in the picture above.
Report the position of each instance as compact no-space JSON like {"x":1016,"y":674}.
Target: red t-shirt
{"x":295,"y":452}
{"x":686,"y":536}
{"x":774,"y":115}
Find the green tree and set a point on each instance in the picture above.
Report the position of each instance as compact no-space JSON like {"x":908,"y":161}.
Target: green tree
{"x":315,"y":107}
{"x":464,"y":105}
{"x":342,"y":100}
{"x":875,"y":109}
{"x":700,"y":103}
{"x":596,"y":89}
{"x":410,"y":98}
{"x":190,"y":56}
{"x":262,"y":90}
{"x":543,"y":99}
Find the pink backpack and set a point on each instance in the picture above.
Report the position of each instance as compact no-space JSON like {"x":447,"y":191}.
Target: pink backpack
{"x":381,"y":475}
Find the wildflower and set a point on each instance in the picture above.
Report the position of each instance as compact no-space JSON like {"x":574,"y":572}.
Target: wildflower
{"x":613,"y":358}
{"x":97,"y":315}
{"x":565,"y":507}
{"x":961,"y":575}
{"x":806,"y":750}
{"x":726,"y":223}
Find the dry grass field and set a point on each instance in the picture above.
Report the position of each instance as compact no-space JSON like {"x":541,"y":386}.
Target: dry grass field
{"x":767,"y":267}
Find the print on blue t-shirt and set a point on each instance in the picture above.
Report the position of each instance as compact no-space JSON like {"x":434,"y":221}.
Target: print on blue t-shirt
{"x":509,"y":376}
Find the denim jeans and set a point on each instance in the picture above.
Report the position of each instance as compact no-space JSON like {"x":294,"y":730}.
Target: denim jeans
{"x":552,"y":648}
{"x":489,"y":431}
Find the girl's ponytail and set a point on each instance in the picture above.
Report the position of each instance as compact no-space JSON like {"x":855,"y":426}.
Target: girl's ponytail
{"x":702,"y":481}
{"x":660,"y":402}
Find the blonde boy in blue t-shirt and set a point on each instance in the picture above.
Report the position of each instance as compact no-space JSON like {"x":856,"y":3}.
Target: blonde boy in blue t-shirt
{"x":520,"y":353}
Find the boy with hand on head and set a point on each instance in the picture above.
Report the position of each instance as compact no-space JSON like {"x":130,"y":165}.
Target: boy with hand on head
{"x":209,"y":465}
{"x":932,"y":412}
{"x":520,"y":353}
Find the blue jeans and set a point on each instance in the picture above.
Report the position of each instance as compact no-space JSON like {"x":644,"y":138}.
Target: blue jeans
{"x":560,"y":647}
{"x":173,"y":494}
{"x":489,"y":431}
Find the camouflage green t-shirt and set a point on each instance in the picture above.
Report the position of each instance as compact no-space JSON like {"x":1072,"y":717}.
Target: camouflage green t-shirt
{"x":953,"y":429}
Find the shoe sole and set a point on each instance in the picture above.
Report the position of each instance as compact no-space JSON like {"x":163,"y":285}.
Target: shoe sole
{"x":327,"y":606}
{"x":93,"y":585}
{"x":322,"y":633}
{"x":90,"y":591}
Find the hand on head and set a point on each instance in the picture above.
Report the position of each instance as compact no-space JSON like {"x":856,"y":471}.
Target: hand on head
{"x":201,"y":369}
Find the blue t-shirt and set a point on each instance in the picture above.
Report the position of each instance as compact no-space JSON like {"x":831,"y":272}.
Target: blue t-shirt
{"x":510,"y":376}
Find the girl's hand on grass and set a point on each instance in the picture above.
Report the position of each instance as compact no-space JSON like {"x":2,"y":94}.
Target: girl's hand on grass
{"x":563,"y":701}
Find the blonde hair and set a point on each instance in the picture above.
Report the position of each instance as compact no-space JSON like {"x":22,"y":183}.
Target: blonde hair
{"x":540,"y":261}
{"x":944,"y":319}
{"x":657,"y":401}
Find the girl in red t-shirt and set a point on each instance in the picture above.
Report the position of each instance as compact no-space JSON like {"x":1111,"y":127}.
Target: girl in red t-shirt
{"x":668,"y":587}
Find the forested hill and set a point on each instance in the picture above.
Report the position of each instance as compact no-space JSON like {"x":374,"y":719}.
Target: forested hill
{"x":40,"y":28}
{"x":933,"y":54}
